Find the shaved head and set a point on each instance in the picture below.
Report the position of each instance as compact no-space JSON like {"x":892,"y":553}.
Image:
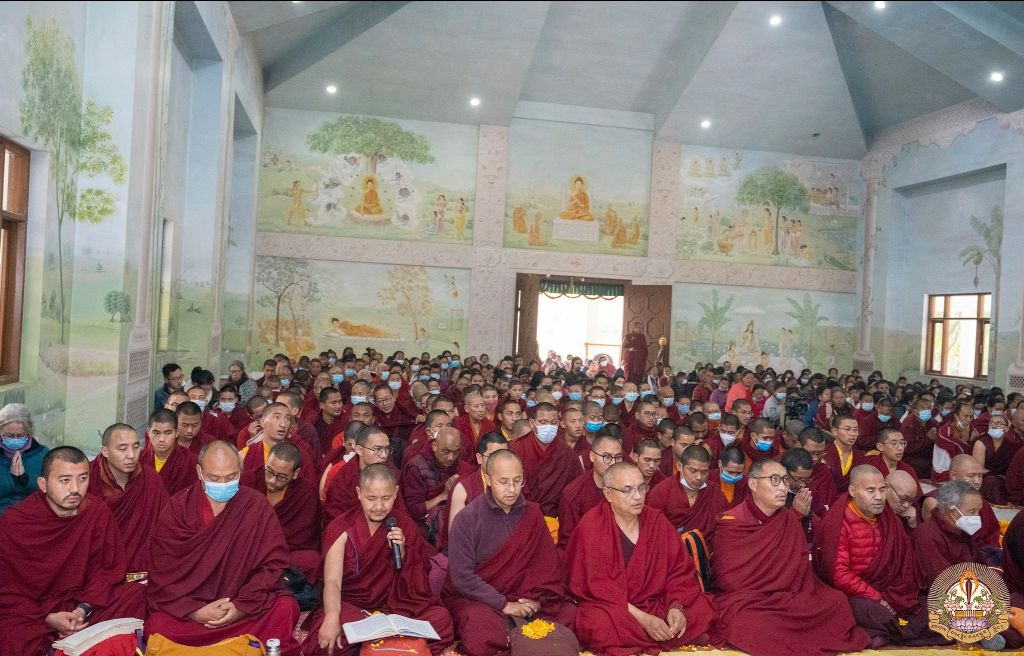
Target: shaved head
{"x":376,"y":472}
{"x":499,"y":457}
{"x":965,"y":468}
{"x":902,"y":483}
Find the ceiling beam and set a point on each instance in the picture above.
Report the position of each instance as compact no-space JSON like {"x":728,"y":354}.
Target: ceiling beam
{"x":698,"y":32}
{"x":949,"y":45}
{"x":990,"y":21}
{"x":352,"y":22}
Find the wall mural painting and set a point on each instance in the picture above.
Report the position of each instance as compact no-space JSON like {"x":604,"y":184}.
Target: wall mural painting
{"x":772,"y":327}
{"x":578,"y":188}
{"x":756,"y":207}
{"x":361,"y":176}
{"x":305,"y":306}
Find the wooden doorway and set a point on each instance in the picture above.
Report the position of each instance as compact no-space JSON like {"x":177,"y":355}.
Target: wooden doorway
{"x":651,"y":305}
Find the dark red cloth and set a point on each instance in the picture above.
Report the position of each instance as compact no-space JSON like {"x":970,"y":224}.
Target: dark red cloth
{"x":253,"y":460}
{"x":952,"y":442}
{"x":831,"y":460}
{"x":1013,"y":554}
{"x":239,"y":555}
{"x":986,"y":540}
{"x":890,"y":571}
{"x":137,"y":508}
{"x":766,"y":614}
{"x":669,"y":496}
{"x":199,"y":441}
{"x":326,"y":431}
{"x":658,"y":577}
{"x":525,"y":567}
{"x":305,"y":433}
{"x":878,"y":462}
{"x":636,"y":432}
{"x":938,"y":545}
{"x":997,"y":461}
{"x":423,"y":479}
{"x":753,"y":454}
{"x":49,"y":564}
{"x":713,"y":441}
{"x":397,"y":424}
{"x":546,"y":471}
{"x":823,"y":489}
{"x":739,"y":491}
{"x":218,"y":424}
{"x":634,"y":356}
{"x":578,"y":497}
{"x":419,"y":442}
{"x":1015,"y":478}
{"x":472,"y":482}
{"x":870,"y":425}
{"x":179,"y":470}
{"x":471,"y":437}
{"x":298,"y":511}
{"x":371,"y":583}
{"x":340,"y":493}
{"x":918,"y":453}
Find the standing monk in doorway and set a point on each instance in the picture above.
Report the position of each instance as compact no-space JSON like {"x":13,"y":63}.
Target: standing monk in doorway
{"x":634,"y":353}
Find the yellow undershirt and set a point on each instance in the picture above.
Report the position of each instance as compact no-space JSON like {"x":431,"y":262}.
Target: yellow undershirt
{"x":158,"y":462}
{"x":845,"y":464}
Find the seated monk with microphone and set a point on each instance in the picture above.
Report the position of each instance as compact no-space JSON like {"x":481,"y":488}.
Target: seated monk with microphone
{"x":376,"y":560}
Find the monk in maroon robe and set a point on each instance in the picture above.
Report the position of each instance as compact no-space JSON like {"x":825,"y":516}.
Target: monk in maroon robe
{"x":841,"y":457}
{"x":428,"y":478}
{"x":473,"y":425}
{"x":330,"y":419}
{"x":548,"y":463}
{"x":470,"y":484}
{"x":190,"y":427}
{"x":644,"y":426}
{"x":781,"y":609}
{"x":822,"y":485}
{"x":952,"y":439}
{"x":634,"y":353}
{"x":585,"y":492}
{"x":175,"y":464}
{"x":132,"y":491}
{"x":372,"y":446}
{"x":295,"y":503}
{"x":218,"y":555}
{"x":919,"y":434}
{"x":394,"y":418}
{"x":862,"y":550}
{"x":728,"y":476}
{"x":276,"y":422}
{"x":870,"y":422}
{"x":986,"y":540}
{"x":1013,"y":556}
{"x":502,"y":564}
{"x":647,"y":456}
{"x":687,"y":500}
{"x":422,"y":437}
{"x":62,"y":564}
{"x":890,"y":446}
{"x":359,"y":574}
{"x":996,"y":449}
{"x":635,"y":585}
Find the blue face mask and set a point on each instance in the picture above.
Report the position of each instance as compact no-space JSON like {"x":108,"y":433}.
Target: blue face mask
{"x":415,"y":367}
{"x":221,"y":492}
{"x":594,"y":426}
{"x":764,"y":445}
{"x":453,"y":364}
{"x":444,"y":365}
{"x":616,"y":400}
{"x":867,"y":406}
{"x":667,"y":402}
{"x":884,"y":418}
{"x":575,"y":396}
{"x":599,"y":402}
{"x":683,"y":409}
{"x":780,"y":395}
{"x":530,"y":403}
{"x":285,"y":382}
{"x":358,"y":399}
{"x":337,"y":379}
{"x":15,"y":443}
{"x":227,"y":407}
{"x":714,"y":416}
{"x":731,"y":479}
{"x":435,"y":392}
{"x":631,"y":396}
{"x":546,"y":433}
{"x":436,"y":376}
{"x":349,"y":373}
{"x":945,"y":411}
{"x":395,"y":384}
{"x":925,"y":415}
{"x":424,"y":377}
{"x":201,"y":403}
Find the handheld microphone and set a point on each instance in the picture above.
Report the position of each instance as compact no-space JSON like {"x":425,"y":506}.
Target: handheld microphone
{"x":396,"y":551}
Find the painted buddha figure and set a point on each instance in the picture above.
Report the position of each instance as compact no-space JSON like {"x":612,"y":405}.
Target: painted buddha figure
{"x":371,"y":200}
{"x":579,"y":202}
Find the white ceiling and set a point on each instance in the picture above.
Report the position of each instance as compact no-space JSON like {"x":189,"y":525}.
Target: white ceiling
{"x":844,"y":70}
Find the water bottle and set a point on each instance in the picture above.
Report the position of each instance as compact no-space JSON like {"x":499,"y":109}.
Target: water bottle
{"x":273,"y":647}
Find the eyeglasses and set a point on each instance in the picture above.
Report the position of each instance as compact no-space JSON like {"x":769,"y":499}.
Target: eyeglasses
{"x":515,"y":482}
{"x":775,"y":480}
{"x":608,"y":458}
{"x":900,"y":444}
{"x":449,"y":452}
{"x":640,"y":490}
{"x":905,"y":501}
{"x":850,"y":430}
{"x":280,"y":478}
{"x":378,"y":450}
{"x":649,"y":415}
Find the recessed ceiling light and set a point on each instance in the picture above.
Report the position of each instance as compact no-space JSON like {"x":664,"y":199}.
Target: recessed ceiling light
{"x":996,"y":76}
{"x":475,"y":102}
{"x":775,"y":20}
{"x":331,"y":89}
{"x":879,"y":5}
{"x":705,"y":124}
{"x":296,"y":2}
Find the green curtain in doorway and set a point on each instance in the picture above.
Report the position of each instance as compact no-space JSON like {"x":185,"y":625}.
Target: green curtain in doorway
{"x":556,"y":288}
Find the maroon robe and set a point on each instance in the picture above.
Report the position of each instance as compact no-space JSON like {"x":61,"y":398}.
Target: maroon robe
{"x":326,"y":431}
{"x":658,"y":577}
{"x":949,"y":441}
{"x":823,"y":489}
{"x":238,"y":554}
{"x":397,"y":424}
{"x":340,"y":493}
{"x":137,"y":508}
{"x":987,"y":538}
{"x":371,"y":584}
{"x":423,"y":479}
{"x":1013,"y":555}
{"x":870,"y":425}
{"x":878,"y":462}
{"x":49,"y":564}
{"x":525,"y":567}
{"x":939,"y":545}
{"x":670,"y":498}
{"x":546,"y":470}
{"x":636,"y":432}
{"x":753,"y":454}
{"x":199,"y":441}
{"x":766,"y":614}
{"x":179,"y":470}
{"x":997,"y":462}
{"x":1015,"y":478}
{"x":469,"y":437}
{"x":634,"y":356}
{"x":578,"y":497}
{"x":419,"y":442}
{"x":831,"y":460}
{"x":472,"y":481}
{"x":299,"y":515}
{"x":918,"y":453}
{"x":713,"y":441}
{"x":254,"y":460}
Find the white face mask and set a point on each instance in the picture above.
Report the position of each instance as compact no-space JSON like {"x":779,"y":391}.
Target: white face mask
{"x":683,"y":482}
{"x":727,"y":439}
{"x":969,"y":524}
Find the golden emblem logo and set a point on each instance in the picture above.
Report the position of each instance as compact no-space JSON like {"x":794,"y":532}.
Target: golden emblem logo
{"x":967,"y":603}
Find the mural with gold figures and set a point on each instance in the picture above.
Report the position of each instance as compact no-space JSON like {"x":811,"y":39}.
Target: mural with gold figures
{"x":362,"y":176}
{"x":756,"y":207}
{"x":578,"y":188}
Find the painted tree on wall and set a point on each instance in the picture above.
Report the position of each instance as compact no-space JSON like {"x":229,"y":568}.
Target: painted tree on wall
{"x":715,"y":318}
{"x":285,"y":278}
{"x":991,"y":234}
{"x":373,"y":139}
{"x":75,"y":132}
{"x":409,"y":290}
{"x":807,"y":318}
{"x":118,"y":304}
{"x":770,"y":185}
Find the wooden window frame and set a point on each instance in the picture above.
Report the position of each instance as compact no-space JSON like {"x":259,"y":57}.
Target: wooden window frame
{"x":982,"y":326}
{"x":12,"y":277}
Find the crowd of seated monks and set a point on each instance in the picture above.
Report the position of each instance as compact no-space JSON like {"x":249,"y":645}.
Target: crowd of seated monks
{"x":773,"y":513}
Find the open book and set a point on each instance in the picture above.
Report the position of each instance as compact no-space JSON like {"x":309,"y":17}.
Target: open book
{"x":380,"y":625}
{"x":90,"y":636}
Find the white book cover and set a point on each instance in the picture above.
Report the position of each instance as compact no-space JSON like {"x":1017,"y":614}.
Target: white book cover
{"x":91,"y":636}
{"x":380,"y":625}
